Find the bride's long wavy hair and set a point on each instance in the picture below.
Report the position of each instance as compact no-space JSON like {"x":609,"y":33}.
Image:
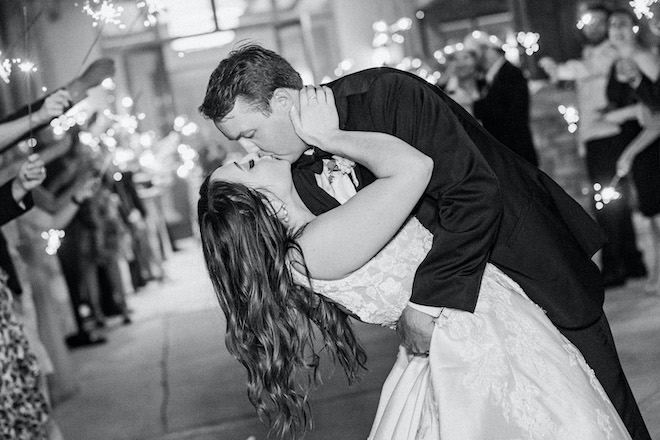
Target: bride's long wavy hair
{"x":270,"y":320}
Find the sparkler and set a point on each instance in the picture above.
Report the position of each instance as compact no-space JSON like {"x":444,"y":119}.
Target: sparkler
{"x":605,"y":195}
{"x":103,"y":12}
{"x":571,"y":117}
{"x":529,"y":41}
{"x":642,"y":8}
{"x":53,"y":239}
{"x":153,"y":8}
{"x":5,"y":70}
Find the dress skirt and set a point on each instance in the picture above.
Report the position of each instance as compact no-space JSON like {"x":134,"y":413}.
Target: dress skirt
{"x":502,"y":372}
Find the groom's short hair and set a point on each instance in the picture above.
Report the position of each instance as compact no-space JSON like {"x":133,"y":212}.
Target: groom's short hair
{"x":251,"y":73}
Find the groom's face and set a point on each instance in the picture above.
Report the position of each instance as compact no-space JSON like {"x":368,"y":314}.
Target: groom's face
{"x":257,"y":132}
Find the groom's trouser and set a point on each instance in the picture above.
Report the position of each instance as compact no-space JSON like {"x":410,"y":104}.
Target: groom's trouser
{"x":597,"y":346}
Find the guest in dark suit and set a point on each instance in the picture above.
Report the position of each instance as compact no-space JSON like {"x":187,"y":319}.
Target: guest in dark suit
{"x":483,"y":202}
{"x":504,"y":106}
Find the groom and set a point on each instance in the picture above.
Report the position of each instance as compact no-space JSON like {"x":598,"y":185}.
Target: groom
{"x":484,"y":203}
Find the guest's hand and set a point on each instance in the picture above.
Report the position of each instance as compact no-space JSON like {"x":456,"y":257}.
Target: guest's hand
{"x":31,"y":174}
{"x":628,"y":72}
{"x":415,"y":329}
{"x":316,"y":119}
{"x":53,"y":106}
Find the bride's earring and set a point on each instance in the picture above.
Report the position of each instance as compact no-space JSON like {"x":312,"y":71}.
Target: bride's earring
{"x":283,"y":214}
{"x":277,"y":209}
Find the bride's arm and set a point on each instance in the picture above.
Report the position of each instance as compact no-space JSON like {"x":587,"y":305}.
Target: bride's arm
{"x":345,"y":238}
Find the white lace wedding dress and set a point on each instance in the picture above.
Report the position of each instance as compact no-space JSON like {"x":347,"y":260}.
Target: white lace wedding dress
{"x":503,"y":372}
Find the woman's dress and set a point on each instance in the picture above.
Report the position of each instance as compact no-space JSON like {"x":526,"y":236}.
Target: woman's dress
{"x":502,"y":372}
{"x":646,"y":165}
{"x":23,"y":409}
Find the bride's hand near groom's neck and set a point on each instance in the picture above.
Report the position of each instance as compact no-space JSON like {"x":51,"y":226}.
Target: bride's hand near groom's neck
{"x":345,"y":238}
{"x":316,"y":122}
{"x":315,"y":118}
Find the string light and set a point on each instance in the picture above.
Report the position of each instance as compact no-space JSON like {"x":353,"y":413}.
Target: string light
{"x":385,"y":34}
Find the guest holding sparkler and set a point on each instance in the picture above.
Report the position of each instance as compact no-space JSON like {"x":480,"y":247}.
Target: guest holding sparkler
{"x":640,"y":149}
{"x":600,"y":142}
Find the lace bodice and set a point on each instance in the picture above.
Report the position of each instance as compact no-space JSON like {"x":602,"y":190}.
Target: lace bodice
{"x":379,"y":291}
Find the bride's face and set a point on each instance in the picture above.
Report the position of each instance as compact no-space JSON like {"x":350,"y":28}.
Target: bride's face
{"x":266,"y":173}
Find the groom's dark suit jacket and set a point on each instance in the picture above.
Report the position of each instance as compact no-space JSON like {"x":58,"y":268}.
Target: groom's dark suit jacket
{"x":484,"y":203}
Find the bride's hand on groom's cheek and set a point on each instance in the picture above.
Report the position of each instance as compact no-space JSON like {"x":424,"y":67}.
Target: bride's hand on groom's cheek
{"x":315,"y":119}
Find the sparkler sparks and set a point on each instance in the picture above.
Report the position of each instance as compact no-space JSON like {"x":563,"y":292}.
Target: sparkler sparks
{"x":153,"y":9}
{"x":103,"y":12}
{"x":26,"y":66}
{"x":642,"y":8}
{"x":529,"y":41}
{"x":53,"y":239}
{"x":5,"y":70}
{"x":605,"y":195}
{"x":571,"y":117}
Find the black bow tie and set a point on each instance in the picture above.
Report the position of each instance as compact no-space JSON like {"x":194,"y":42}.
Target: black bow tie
{"x":303,"y":172}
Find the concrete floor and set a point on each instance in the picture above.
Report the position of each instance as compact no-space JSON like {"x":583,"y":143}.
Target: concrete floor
{"x":168,"y":375}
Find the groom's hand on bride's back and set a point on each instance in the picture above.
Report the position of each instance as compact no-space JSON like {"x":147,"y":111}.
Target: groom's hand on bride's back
{"x":415,"y":329}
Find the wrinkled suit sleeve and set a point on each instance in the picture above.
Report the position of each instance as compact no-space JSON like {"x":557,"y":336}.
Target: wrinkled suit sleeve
{"x":463,"y":188}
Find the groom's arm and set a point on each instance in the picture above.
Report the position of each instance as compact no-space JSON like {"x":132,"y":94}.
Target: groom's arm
{"x":465,"y":190}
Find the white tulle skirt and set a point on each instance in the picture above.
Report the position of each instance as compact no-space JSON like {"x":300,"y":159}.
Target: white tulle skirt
{"x":503,"y":372}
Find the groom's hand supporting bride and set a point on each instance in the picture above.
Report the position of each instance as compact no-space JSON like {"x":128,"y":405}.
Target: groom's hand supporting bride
{"x":415,"y":329}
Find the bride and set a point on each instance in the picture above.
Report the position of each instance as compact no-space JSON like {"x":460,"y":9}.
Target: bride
{"x":279,"y":271}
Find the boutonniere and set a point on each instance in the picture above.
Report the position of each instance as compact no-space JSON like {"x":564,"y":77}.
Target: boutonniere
{"x":340,"y":165}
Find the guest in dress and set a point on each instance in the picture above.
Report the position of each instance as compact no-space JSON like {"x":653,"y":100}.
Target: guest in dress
{"x":24,"y":412}
{"x":629,"y":112}
{"x":600,"y":143}
{"x":115,"y":251}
